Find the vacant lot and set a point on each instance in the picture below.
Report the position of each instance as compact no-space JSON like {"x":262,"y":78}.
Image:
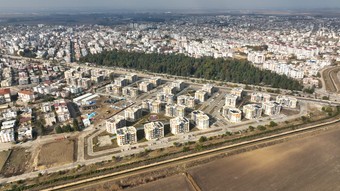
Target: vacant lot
{"x":104,"y":141}
{"x":177,"y":182}
{"x":56,"y":153}
{"x":3,"y":158}
{"x":310,"y":164}
{"x":18,"y":163}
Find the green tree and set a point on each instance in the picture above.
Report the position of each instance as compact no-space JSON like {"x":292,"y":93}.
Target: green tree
{"x":229,"y":133}
{"x":261,"y":128}
{"x":272,"y":124}
{"x":186,"y":149}
{"x":58,"y":129}
{"x":238,"y":71}
{"x":76,"y":125}
{"x":198,"y":147}
{"x":203,"y":139}
{"x":251,"y":128}
{"x":67,"y":128}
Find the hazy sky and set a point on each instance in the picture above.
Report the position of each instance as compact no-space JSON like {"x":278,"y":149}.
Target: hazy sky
{"x":167,"y":4}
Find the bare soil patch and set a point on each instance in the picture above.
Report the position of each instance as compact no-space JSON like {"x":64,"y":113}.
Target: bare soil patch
{"x":311,"y":164}
{"x":104,"y":141}
{"x":56,"y":154}
{"x":3,"y":158}
{"x":176,"y":182}
{"x":18,"y":163}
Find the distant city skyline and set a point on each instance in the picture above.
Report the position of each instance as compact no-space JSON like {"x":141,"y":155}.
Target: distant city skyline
{"x":31,"y":5}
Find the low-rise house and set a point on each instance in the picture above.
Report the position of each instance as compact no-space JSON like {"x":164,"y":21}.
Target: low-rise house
{"x":25,"y":133}
{"x":26,"y":96}
{"x":50,"y":119}
{"x":62,"y":111}
{"x":5,"y":95}
{"x":10,"y":114}
{"x":7,"y":131}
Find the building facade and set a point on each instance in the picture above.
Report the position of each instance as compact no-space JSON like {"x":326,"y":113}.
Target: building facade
{"x":126,"y":136}
{"x":154,"y":130}
{"x":179,"y":125}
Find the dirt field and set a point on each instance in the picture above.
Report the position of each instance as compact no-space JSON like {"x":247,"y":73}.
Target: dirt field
{"x":177,"y":182}
{"x":3,"y":158}
{"x":311,"y":163}
{"x":56,"y":153}
{"x":17,"y":163}
{"x":104,"y":141}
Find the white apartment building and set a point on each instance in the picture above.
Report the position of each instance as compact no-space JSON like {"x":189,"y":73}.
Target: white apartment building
{"x":180,"y":111}
{"x":178,"y":85}
{"x":121,"y":81}
{"x":171,"y":110}
{"x":115,"y":123}
{"x":169,"y":90}
{"x":147,"y":104}
{"x":230,"y":100}
{"x":252,"y":111}
{"x":130,"y":91}
{"x":271,"y":108}
{"x":156,"y":107}
{"x":145,"y":86}
{"x":201,"y":96}
{"x":113,"y":89}
{"x":233,"y":115}
{"x":287,"y":101}
{"x":154,"y":130}
{"x":131,"y":78}
{"x":238,"y":92}
{"x":155,"y":81}
{"x":209,"y":88}
{"x":179,"y":125}
{"x":126,"y":136}
{"x":257,"y":97}
{"x":201,"y":120}
{"x":133,"y":113}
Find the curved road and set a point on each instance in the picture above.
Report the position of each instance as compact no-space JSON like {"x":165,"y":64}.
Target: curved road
{"x":331,"y":79}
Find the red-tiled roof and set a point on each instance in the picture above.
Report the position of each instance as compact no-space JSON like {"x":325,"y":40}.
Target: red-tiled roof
{"x":27,"y":92}
{"x":5,"y":91}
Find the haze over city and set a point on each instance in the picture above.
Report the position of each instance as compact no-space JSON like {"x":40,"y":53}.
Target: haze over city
{"x":25,"y":5}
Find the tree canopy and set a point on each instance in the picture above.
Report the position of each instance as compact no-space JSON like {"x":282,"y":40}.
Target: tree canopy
{"x":231,"y":70}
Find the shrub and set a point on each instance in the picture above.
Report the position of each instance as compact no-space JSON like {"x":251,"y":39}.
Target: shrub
{"x":203,"y":139}
{"x":261,"y":128}
{"x":272,"y":124}
{"x":251,"y":128}
{"x":229,"y":133}
{"x":186,"y":149}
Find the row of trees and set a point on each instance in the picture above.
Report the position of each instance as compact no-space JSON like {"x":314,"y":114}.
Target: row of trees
{"x":231,"y":70}
{"x":68,"y":128}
